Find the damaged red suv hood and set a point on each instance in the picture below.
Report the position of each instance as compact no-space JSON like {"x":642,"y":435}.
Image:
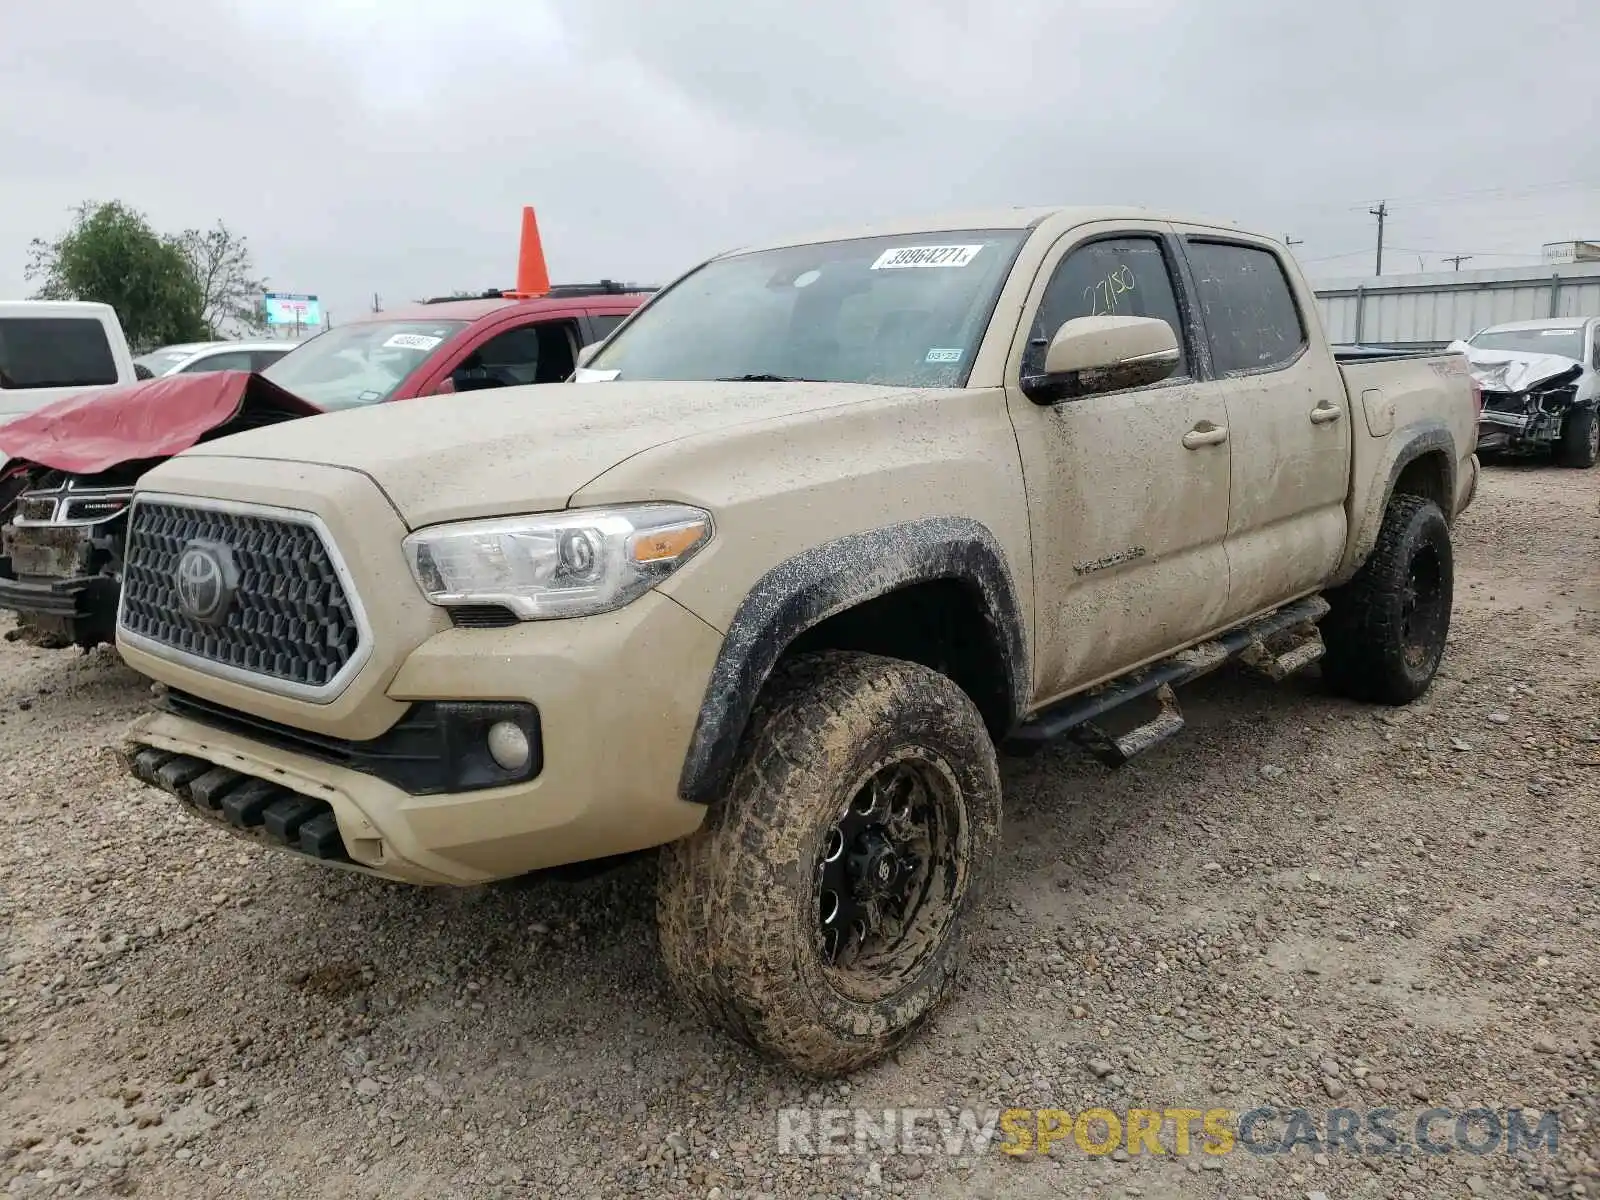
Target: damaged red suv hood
{"x":155,"y":418}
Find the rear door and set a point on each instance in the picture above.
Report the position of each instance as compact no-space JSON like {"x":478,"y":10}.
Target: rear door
{"x":1288,"y":419}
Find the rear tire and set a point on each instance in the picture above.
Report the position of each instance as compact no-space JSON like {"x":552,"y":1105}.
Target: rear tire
{"x":820,"y":912}
{"x":1387,"y":631}
{"x":1580,"y":439}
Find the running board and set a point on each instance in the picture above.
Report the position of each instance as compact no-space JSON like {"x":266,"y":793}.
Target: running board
{"x":1076,"y":714}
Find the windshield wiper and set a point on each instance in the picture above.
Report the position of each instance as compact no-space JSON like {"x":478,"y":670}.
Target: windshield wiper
{"x":762,"y":378}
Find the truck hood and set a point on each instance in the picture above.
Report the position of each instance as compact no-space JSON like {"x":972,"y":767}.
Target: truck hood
{"x":517,"y":450}
{"x":154,"y":418}
{"x":1513,"y":372}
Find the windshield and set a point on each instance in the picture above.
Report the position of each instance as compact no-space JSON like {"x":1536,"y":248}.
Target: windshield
{"x":1566,"y":341}
{"x":160,"y":362}
{"x":359,"y":364}
{"x":905,"y":311}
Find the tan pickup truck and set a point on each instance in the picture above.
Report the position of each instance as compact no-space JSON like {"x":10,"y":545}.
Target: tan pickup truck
{"x":813,"y":533}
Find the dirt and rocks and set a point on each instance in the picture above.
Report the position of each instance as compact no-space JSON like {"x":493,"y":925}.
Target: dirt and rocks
{"x":1300,"y":903}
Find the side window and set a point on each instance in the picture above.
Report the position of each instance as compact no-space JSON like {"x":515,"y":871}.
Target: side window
{"x":1125,"y":276}
{"x":603,"y":324}
{"x":46,"y":352}
{"x":233,"y":360}
{"x":1247,"y":305}
{"x":260,"y":360}
{"x":541,"y":353}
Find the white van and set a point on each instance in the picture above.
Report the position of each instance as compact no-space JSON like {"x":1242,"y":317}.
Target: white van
{"x":55,"y":348}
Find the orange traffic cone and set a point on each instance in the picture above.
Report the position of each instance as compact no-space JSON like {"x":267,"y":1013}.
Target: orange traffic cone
{"x":533,"y":277}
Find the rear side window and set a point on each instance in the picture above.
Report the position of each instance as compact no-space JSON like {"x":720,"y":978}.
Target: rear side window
{"x":260,"y":360}
{"x":603,"y":324}
{"x":232,"y":360}
{"x":46,"y":352}
{"x":1249,"y":311}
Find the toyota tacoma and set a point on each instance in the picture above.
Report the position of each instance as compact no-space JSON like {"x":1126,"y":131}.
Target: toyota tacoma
{"x":816,"y":531}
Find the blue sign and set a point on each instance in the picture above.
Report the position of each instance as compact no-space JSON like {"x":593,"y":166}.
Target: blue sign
{"x":292,"y":308}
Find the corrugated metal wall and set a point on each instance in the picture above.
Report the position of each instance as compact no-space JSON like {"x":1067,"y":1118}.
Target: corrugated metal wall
{"x":1433,"y":310}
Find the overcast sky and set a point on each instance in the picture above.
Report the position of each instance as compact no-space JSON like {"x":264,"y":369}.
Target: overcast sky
{"x":387,"y":145}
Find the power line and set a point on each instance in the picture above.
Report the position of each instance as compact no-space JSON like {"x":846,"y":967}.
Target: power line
{"x":1424,"y":200}
{"x":1333,"y":257}
{"x":1526,"y":189}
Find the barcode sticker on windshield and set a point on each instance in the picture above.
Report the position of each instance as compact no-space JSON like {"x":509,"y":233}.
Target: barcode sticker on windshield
{"x":412,"y":341}
{"x":926,"y":256}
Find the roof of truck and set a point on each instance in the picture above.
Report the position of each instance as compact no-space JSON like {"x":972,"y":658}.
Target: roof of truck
{"x":989,"y":218}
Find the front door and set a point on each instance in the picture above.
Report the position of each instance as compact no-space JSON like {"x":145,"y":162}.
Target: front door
{"x":523,"y":350}
{"x":1289,"y":419}
{"x":1127,"y":491}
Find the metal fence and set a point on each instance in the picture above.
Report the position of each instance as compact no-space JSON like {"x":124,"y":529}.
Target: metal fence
{"x":1435,"y":309}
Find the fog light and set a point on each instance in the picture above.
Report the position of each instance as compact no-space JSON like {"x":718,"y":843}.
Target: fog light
{"x":508,"y":745}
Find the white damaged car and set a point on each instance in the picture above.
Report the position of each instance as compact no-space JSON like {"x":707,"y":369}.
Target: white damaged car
{"x":1540,"y":384}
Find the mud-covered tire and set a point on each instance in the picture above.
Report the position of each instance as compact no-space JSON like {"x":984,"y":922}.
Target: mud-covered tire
{"x":737,"y":902}
{"x":1387,"y":629}
{"x":1580,"y":439}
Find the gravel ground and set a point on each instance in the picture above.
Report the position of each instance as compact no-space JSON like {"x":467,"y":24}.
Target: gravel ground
{"x":1298,"y":902}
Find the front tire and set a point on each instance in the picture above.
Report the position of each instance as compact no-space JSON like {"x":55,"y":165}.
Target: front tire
{"x":1387,"y":631}
{"x":1580,"y":439}
{"x":819,"y":913}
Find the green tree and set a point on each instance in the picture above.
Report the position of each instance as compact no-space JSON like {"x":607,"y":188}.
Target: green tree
{"x":112,"y":255}
{"x":220,"y":261}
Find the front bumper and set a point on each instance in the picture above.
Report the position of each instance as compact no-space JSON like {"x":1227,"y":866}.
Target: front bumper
{"x":1505,"y":431}
{"x":617,"y":697}
{"x":80,"y":609}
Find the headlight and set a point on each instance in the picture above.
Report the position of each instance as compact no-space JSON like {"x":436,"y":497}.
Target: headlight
{"x":567,"y":564}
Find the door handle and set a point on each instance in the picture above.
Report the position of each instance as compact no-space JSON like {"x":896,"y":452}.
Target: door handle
{"x":1325,"y":412}
{"x":1205,"y":434}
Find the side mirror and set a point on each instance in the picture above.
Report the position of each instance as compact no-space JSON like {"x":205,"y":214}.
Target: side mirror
{"x":140,"y":371}
{"x":588,"y":352}
{"x":1090,"y":355}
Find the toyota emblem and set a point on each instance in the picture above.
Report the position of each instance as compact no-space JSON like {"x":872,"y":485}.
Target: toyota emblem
{"x":205,"y":581}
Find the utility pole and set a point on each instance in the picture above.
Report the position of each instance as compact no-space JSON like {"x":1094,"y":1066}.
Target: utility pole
{"x":1380,"y":212}
{"x":377,"y":303}
{"x":1458,"y":259}
{"x":1292,"y":241}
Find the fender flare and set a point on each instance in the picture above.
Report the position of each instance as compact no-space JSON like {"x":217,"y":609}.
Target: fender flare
{"x":1412,"y":443}
{"x":829,"y":579}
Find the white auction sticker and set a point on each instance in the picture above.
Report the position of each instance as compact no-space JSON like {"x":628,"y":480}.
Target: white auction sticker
{"x":412,"y":341}
{"x":925,"y":256}
{"x":937,"y":356}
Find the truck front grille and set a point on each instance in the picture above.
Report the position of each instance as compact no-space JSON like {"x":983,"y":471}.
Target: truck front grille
{"x":253,"y":591}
